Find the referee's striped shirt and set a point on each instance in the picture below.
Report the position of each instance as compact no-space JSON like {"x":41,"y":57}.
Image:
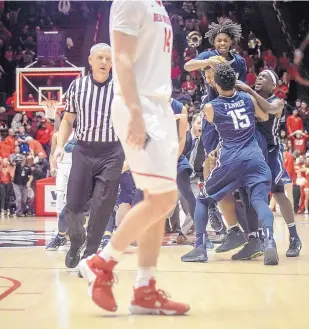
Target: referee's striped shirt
{"x":91,"y":101}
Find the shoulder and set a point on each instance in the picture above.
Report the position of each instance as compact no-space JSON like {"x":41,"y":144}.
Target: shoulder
{"x":176,"y":106}
{"x":239,"y":58}
{"x":206,"y":54}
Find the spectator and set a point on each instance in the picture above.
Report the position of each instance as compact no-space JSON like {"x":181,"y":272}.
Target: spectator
{"x":297,"y":104}
{"x":284,"y":61}
{"x":251,"y":77}
{"x":188,"y":86}
{"x":248,"y":59}
{"x":281,"y":90}
{"x":35,"y":146}
{"x":43,"y":135}
{"x":6,"y":189}
{"x":294,"y":123}
{"x":304,"y":115}
{"x":290,"y":146}
{"x":42,"y":164}
{"x":283,"y":137}
{"x":270,"y":60}
{"x":176,"y":73}
{"x":289,"y":163}
{"x":22,"y":179}
{"x":16,"y":155}
{"x":299,"y":140}
{"x":16,"y":123}
{"x":300,"y":169}
{"x":29,"y":130}
{"x":10,"y":139}
{"x":6,"y":148}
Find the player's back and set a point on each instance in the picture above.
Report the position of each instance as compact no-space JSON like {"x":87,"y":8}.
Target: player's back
{"x":234,"y":118}
{"x":150,"y":23}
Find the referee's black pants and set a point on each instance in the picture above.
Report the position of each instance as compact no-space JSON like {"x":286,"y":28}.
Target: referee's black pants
{"x":95,"y":175}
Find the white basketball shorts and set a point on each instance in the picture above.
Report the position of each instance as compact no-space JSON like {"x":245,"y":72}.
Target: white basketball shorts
{"x":62,"y":179}
{"x":154,"y":168}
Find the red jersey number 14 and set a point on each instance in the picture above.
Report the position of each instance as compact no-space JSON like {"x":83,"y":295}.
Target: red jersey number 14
{"x":167,"y":40}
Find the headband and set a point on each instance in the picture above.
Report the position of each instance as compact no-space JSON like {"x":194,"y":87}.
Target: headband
{"x":272,"y":76}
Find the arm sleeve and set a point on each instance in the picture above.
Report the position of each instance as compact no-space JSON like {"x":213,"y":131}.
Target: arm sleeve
{"x":69,"y":98}
{"x":243,"y":70}
{"x":204,"y":55}
{"x":126,"y":16}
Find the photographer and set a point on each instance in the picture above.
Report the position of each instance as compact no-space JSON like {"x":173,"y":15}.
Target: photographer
{"x":22,"y":179}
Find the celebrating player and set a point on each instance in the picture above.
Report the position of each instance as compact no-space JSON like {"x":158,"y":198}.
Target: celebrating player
{"x":241,"y":162}
{"x":265,"y":84}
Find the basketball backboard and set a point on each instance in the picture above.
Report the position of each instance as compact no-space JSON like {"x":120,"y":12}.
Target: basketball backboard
{"x":34,"y":86}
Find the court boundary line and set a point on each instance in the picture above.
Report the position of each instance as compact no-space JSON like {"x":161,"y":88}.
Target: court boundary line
{"x":168,"y":271}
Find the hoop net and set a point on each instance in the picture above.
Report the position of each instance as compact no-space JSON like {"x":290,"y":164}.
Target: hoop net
{"x":50,"y":108}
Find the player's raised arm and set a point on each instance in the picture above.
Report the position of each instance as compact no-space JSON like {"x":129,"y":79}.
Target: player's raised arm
{"x":199,"y":63}
{"x":208,"y":112}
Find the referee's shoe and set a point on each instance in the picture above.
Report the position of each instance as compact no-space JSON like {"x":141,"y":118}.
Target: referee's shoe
{"x":77,"y":245}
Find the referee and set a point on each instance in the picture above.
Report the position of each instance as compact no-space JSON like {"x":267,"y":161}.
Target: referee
{"x":97,"y":158}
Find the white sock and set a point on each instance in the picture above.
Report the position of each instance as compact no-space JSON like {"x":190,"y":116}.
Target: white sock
{"x":109,"y":253}
{"x":144,"y":274}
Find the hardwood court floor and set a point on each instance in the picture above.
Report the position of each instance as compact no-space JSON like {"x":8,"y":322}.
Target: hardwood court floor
{"x":36,"y":290}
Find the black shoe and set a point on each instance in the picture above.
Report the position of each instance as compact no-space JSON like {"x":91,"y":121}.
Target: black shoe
{"x":215,"y":219}
{"x":56,"y":242}
{"x":252,"y":249}
{"x":73,"y":255}
{"x":270,"y":252}
{"x":234,"y":239}
{"x":294,"y":247}
{"x":197,"y":255}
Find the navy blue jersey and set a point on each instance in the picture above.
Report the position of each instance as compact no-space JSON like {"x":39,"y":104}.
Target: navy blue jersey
{"x":237,"y":62}
{"x":270,"y":128}
{"x":176,"y":106}
{"x":210,"y":137}
{"x":234,"y":119}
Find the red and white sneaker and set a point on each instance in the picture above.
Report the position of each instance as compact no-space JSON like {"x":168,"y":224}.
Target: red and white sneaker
{"x":99,"y":274}
{"x":149,"y":300}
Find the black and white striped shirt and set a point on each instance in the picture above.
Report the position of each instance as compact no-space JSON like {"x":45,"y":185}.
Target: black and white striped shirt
{"x":91,"y":101}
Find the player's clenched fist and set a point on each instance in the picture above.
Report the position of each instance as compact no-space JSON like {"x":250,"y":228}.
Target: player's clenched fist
{"x":215,"y":60}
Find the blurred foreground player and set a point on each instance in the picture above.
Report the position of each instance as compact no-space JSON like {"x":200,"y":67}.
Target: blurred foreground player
{"x":142,"y":41}
{"x":241,"y":162}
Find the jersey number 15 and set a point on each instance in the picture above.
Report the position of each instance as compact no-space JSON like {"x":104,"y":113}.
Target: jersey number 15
{"x":240,"y":119}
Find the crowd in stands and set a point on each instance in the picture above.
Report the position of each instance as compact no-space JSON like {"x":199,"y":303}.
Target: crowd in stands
{"x":25,"y":149}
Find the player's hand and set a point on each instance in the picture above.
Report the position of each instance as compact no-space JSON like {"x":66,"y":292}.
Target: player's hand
{"x":213,"y":154}
{"x":136,"y":132}
{"x":57,"y":156}
{"x":298,"y":56}
{"x":215,"y":60}
{"x":242,"y":86}
{"x":53,"y":172}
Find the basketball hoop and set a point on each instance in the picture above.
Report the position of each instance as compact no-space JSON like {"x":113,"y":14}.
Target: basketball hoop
{"x":50,"y":108}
